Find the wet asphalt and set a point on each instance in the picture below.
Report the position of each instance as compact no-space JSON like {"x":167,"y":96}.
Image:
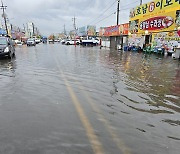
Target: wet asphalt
{"x":57,"y":99}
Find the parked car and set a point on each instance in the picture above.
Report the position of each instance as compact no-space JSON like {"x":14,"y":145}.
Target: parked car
{"x":6,"y":47}
{"x":51,"y":41}
{"x":63,"y":41}
{"x":31,"y":42}
{"x":37,"y":41}
{"x":44,"y":39}
{"x":18,"y":43}
{"x":72,"y":42}
{"x":57,"y":40}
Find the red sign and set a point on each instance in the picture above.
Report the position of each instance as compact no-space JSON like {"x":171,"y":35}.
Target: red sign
{"x":115,"y":30}
{"x":156,"y":23}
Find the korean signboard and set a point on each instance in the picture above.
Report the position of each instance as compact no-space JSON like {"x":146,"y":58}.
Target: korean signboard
{"x":158,"y":23}
{"x":115,"y":30}
{"x":156,"y":16}
{"x":154,"y":8}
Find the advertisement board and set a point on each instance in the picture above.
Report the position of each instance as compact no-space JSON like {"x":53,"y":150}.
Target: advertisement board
{"x":117,"y":30}
{"x":82,"y":31}
{"x":91,"y":30}
{"x":162,"y":22}
{"x":154,"y":8}
{"x":167,"y":40}
{"x":155,"y":16}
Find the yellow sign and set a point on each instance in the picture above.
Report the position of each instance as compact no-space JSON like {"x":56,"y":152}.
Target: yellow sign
{"x":160,"y":23}
{"x":154,"y":8}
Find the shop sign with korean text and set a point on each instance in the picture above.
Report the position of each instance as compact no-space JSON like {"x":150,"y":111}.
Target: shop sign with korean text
{"x":163,"y":22}
{"x":154,"y":8}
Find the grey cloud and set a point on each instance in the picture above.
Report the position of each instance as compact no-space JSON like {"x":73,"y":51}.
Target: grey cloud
{"x":50,"y":15}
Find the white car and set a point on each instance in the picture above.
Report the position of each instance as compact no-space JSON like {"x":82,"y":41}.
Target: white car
{"x":57,"y":40}
{"x":37,"y":41}
{"x":18,"y":43}
{"x":31,"y":42}
{"x":63,"y":41}
{"x":72,"y":42}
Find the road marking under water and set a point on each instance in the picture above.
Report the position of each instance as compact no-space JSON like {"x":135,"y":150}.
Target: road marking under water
{"x":95,"y":143}
{"x":120,"y":143}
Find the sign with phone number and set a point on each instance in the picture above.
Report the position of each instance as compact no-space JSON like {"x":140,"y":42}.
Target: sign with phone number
{"x":154,"y":7}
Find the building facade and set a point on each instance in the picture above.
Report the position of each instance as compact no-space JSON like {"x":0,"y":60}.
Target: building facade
{"x":30,"y":30}
{"x":114,"y":36}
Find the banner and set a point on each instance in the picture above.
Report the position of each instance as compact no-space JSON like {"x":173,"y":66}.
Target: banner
{"x":91,"y":30}
{"x":154,"y":8}
{"x":163,"y":22}
{"x":117,"y":30}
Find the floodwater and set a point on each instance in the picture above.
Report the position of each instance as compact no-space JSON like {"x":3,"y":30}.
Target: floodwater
{"x":57,"y":99}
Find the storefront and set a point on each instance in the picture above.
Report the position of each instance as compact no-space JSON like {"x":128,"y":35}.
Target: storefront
{"x":114,"y":36}
{"x":156,"y":23}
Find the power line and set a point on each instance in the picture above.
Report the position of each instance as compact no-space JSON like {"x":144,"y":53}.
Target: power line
{"x":112,"y":14}
{"x":105,"y":18}
{"x":103,"y":12}
{"x":111,"y":6}
{"x":130,"y":3}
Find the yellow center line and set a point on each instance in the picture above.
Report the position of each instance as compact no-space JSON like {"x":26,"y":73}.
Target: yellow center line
{"x":120,"y":143}
{"x":95,"y":143}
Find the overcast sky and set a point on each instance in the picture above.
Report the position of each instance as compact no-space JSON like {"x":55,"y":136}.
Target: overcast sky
{"x":50,"y":15}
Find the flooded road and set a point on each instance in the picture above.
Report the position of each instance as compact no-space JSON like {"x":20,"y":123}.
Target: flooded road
{"x":59,"y":99}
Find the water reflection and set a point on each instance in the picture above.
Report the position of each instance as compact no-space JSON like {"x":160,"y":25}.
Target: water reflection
{"x":155,"y":77}
{"x":8,"y":67}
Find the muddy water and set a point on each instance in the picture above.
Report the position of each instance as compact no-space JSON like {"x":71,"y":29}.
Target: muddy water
{"x":131,"y":101}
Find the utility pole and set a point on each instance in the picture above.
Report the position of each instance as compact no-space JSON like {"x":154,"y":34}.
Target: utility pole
{"x":4,"y":15}
{"x":64,"y":29}
{"x":141,"y":1}
{"x":74,"y":24}
{"x":118,"y":6}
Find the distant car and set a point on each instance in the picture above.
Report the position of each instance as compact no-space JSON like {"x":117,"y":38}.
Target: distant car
{"x":51,"y":41}
{"x":72,"y":42}
{"x":63,"y":41}
{"x":37,"y":41}
{"x":6,"y":47}
{"x":57,"y":40}
{"x":19,"y":43}
{"x":31,"y":42}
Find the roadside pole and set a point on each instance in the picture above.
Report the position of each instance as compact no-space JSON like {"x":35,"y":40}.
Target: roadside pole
{"x":74,"y":24}
{"x":4,"y":16}
{"x":118,"y":6}
{"x":141,"y":1}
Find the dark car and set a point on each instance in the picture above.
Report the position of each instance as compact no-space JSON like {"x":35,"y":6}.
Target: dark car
{"x":6,"y":47}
